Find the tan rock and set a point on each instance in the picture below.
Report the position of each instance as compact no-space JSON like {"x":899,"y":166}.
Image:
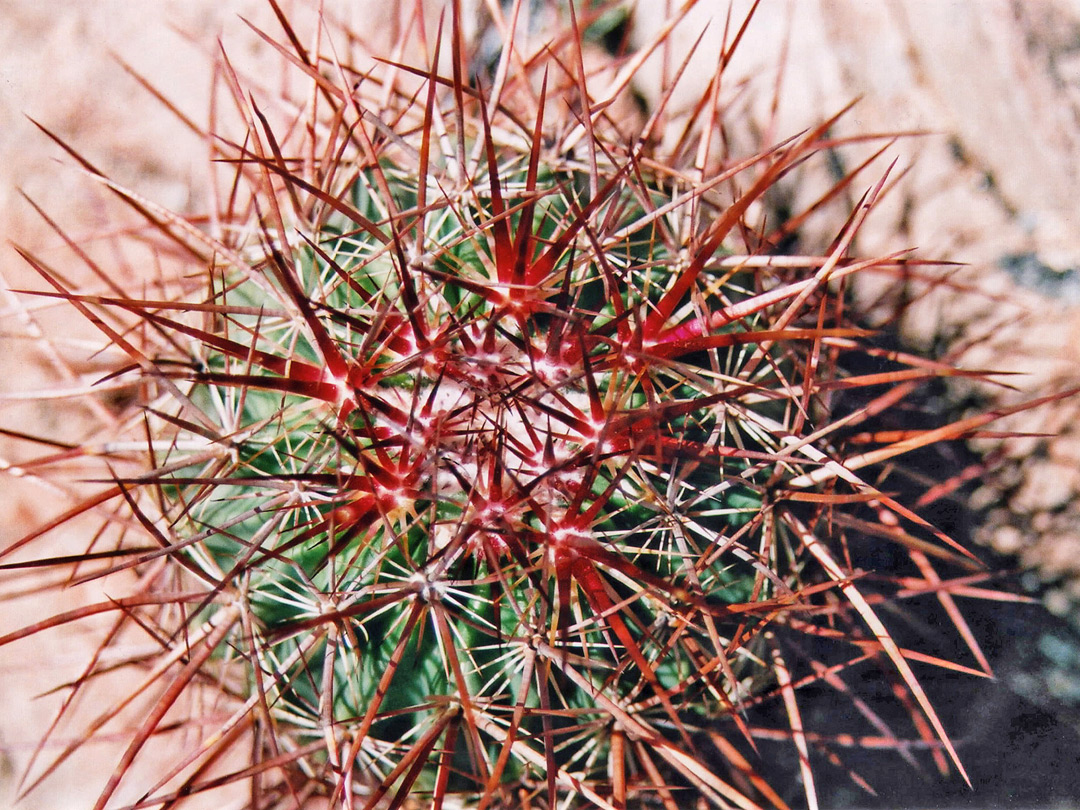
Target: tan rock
{"x":1047,"y":486}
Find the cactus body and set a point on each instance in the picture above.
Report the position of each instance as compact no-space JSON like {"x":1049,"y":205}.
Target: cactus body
{"x":494,"y":452}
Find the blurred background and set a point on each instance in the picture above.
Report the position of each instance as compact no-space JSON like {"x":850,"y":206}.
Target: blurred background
{"x":991,"y":180}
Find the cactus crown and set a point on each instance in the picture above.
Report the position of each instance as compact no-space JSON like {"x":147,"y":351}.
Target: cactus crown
{"x":494,"y":449}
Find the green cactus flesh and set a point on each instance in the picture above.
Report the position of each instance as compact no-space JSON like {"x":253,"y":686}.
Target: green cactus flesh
{"x":479,"y":409}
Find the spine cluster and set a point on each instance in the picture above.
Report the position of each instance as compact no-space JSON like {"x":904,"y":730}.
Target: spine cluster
{"x":495,"y":453}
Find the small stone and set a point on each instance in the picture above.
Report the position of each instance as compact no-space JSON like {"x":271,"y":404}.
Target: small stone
{"x":1055,"y":555}
{"x":1047,"y":486}
{"x":984,"y":497}
{"x":1008,"y":540}
{"x":1057,"y":602}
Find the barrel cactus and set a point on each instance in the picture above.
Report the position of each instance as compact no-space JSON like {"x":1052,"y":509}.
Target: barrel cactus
{"x":487,"y":450}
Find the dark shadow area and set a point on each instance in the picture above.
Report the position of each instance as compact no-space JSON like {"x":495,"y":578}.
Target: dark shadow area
{"x":1017,"y":735}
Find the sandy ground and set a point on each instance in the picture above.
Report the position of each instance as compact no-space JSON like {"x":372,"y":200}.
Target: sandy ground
{"x":56,"y":68}
{"x":997,"y":81}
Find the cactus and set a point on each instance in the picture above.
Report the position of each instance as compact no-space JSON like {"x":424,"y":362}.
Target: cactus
{"x":486,"y":450}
